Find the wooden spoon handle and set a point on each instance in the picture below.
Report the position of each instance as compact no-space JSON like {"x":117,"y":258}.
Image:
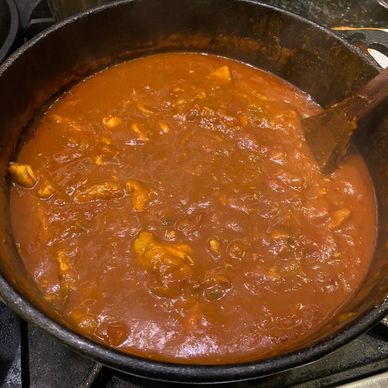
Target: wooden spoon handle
{"x":371,"y":95}
{"x":328,"y":134}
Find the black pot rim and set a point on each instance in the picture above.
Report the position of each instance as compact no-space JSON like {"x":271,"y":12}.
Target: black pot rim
{"x":12,"y":31}
{"x":174,"y":372}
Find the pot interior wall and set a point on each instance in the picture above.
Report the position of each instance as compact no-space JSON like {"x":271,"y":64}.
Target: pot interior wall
{"x":297,"y":51}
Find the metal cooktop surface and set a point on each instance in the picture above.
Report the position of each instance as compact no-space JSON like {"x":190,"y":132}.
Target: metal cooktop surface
{"x":31,"y":358}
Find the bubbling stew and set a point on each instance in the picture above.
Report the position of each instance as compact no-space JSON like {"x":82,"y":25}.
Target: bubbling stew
{"x":170,"y":208}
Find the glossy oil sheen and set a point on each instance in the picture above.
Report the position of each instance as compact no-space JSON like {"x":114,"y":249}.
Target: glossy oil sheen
{"x":252,"y":248}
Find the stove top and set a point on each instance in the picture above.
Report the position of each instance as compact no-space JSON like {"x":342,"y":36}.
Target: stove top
{"x":29,"y":357}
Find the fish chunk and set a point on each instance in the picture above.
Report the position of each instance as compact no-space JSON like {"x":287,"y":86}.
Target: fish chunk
{"x":169,"y":263}
{"x":139,"y":194}
{"x":222,"y":73}
{"x":102,"y":191}
{"x":22,"y":175}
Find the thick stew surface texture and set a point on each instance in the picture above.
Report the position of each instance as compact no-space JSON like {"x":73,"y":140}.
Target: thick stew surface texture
{"x":169,"y":207}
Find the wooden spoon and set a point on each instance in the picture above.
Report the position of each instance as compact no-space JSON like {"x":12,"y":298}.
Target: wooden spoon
{"x":328,"y":134}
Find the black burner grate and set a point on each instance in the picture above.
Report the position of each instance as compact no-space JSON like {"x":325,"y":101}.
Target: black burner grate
{"x":29,"y":357}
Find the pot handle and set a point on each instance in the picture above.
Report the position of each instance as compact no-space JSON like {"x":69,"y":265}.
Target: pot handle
{"x":368,"y":38}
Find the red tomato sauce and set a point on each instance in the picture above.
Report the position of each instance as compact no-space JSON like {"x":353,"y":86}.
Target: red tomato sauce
{"x":169,"y":207}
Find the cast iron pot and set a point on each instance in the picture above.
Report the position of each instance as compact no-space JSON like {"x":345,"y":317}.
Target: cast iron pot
{"x":308,"y":56}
